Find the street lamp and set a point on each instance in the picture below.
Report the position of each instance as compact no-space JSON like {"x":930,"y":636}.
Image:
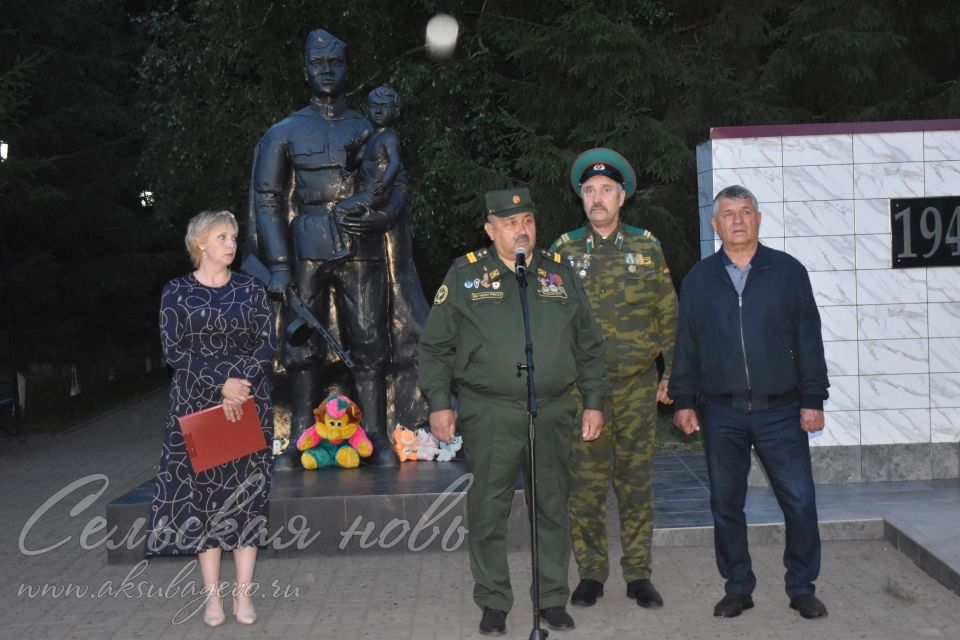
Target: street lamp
{"x":3,"y":151}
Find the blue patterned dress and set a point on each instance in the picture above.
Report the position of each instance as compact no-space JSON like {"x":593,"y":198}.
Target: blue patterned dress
{"x":210,"y":334}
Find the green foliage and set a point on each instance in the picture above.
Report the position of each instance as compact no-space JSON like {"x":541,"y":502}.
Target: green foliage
{"x":83,"y":261}
{"x":98,"y":105}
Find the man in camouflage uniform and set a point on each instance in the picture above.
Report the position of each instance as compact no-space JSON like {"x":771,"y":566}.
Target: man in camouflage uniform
{"x":474,"y":337}
{"x":626,"y":277}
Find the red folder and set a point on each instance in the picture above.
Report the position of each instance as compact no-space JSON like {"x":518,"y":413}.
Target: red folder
{"x":212,"y":440}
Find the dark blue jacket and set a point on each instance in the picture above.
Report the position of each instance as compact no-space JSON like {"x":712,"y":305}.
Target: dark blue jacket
{"x":781,"y":349}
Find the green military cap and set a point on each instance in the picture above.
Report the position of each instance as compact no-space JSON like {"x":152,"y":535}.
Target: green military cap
{"x":508,"y":202}
{"x":603,"y":162}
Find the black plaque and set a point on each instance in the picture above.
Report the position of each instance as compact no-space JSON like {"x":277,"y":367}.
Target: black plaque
{"x":925,"y":232}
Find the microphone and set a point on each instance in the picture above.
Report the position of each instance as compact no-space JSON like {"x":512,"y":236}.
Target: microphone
{"x":520,"y":253}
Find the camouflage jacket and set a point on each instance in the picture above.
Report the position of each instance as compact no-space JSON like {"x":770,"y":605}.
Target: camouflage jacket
{"x":474,"y":335}
{"x":633,"y":299}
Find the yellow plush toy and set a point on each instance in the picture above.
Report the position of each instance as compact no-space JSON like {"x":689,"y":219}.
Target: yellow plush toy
{"x":337,"y":439}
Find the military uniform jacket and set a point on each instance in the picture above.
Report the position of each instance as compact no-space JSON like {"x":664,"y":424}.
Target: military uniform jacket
{"x":630,"y":290}
{"x":474,"y":335}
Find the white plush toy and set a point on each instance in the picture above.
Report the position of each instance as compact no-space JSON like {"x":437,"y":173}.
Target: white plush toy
{"x":430,"y":448}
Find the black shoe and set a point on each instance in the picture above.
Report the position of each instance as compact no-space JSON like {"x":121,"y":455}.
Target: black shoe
{"x":809,"y":606}
{"x":557,"y":618}
{"x":645,"y":594}
{"x":586,"y":593}
{"x":732,"y":605}
{"x":493,"y":622}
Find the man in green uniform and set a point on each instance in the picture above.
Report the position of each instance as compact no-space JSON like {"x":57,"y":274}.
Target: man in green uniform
{"x":626,"y":277}
{"x":474,"y":338}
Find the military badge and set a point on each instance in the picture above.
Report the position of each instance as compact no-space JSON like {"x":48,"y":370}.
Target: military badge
{"x":441,"y":296}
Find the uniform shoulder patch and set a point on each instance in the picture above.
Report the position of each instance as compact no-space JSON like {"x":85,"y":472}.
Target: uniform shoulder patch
{"x":640,"y":231}
{"x":552,"y":256}
{"x":471,"y":257}
{"x":441,"y":296}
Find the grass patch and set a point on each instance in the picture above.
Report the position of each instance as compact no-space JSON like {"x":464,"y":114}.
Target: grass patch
{"x":896,"y":592}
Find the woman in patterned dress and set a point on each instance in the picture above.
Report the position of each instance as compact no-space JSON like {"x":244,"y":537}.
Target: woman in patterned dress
{"x":218,"y":335}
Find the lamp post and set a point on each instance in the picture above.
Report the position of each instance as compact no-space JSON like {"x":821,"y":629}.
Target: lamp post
{"x":14,"y":379}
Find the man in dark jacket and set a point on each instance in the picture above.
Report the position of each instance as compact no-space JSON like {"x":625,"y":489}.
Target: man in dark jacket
{"x":749,"y":345}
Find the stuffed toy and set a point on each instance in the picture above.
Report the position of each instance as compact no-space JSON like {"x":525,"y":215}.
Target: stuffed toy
{"x":448,"y":450}
{"x":429,"y":447}
{"x":404,"y":443}
{"x":336,"y":439}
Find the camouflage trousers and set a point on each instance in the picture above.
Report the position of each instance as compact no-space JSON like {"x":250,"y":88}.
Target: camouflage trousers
{"x":625,"y":448}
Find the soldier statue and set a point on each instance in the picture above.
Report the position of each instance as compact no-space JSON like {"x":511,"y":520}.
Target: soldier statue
{"x":352,"y":266}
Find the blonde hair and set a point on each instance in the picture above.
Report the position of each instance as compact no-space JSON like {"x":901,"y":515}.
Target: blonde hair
{"x":198,"y":228}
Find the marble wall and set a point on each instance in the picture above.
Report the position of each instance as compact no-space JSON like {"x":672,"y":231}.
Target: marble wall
{"x":892,"y":337}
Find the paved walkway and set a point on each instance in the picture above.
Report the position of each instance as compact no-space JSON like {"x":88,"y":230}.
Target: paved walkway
{"x":53,"y":490}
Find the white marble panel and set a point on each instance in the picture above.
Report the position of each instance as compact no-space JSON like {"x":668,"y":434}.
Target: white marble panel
{"x":838,"y":323}
{"x":841,"y":358}
{"x":895,"y":427}
{"x":941,"y":145}
{"x":818,"y":182}
{"x":766,"y":183}
{"x":945,"y":425}
{"x":841,"y":428}
{"x":771,"y":219}
{"x":705,"y":191}
{"x":872,"y":216}
{"x":705,"y":157}
{"x":944,"y":319}
{"x":879,"y":357}
{"x":736,"y":153}
{"x":888,"y":180}
{"x":944,"y":355}
{"x":945,"y":390}
{"x":844,"y":394}
{"x":706,"y":229}
{"x":834,"y":287}
{"x":905,"y":146}
{"x":708,"y":247}
{"x":891,"y":286}
{"x":903,"y":391}
{"x":943,"y":284}
{"x":823,"y":253}
{"x":818,"y":218}
{"x":814,"y":150}
{"x":874,"y":252}
{"x":892,"y":321}
{"x":773,"y":243}
{"x":941,"y":178}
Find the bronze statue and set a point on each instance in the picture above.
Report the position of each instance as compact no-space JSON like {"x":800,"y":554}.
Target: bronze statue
{"x":344,"y":245}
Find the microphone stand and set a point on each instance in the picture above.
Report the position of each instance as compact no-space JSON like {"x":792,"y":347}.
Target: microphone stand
{"x":537,"y":633}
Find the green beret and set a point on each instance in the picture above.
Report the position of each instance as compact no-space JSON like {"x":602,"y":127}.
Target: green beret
{"x":603,"y":162}
{"x":509,"y":202}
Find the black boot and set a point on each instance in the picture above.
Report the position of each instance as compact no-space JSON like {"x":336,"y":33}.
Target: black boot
{"x":586,"y":593}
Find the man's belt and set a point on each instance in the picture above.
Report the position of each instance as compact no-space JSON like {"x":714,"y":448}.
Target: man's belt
{"x":751,"y":400}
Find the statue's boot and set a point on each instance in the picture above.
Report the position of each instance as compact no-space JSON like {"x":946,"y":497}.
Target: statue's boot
{"x":372,"y":398}
{"x":302,"y":403}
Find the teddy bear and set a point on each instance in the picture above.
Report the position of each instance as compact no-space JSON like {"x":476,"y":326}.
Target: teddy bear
{"x":337,"y":439}
{"x":404,"y":443}
{"x":448,"y":450}
{"x":429,"y":447}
